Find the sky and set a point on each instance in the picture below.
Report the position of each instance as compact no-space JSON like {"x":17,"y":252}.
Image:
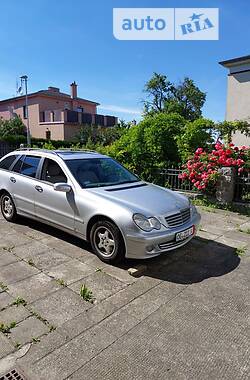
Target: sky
{"x":56,"y":42}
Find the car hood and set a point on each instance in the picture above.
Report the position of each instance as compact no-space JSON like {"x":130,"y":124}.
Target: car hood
{"x":143,"y":197}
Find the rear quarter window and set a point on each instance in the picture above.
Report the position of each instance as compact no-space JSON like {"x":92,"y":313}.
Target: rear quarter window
{"x":7,"y":162}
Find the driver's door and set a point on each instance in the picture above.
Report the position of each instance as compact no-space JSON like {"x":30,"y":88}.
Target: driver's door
{"x":50,"y":205}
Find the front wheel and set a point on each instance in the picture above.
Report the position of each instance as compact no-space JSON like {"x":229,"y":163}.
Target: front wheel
{"x":107,"y":242}
{"x":8,"y":208}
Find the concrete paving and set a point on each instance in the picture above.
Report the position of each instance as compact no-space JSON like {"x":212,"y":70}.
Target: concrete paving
{"x":186,"y":315}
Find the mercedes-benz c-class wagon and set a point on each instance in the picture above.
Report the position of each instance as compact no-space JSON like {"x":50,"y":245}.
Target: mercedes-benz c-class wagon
{"x":95,"y":198}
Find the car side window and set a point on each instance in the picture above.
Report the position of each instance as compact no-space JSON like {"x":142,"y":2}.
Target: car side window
{"x":18,"y":165}
{"x":27,"y":165}
{"x":7,"y":162}
{"x":52,"y":172}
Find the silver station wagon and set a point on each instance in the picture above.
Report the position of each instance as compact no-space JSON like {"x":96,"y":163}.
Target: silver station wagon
{"x":95,"y":198}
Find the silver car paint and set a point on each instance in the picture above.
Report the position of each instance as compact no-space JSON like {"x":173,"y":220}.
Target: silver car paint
{"x":72,"y":211}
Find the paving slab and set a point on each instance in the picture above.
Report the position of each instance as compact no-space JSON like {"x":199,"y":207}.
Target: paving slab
{"x":5,"y":347}
{"x":12,"y":273}
{"x":5,"y":300}
{"x":14,"y":314}
{"x":28,"y":330}
{"x":47,"y":259}
{"x":60,"y":306}
{"x":48,"y":343}
{"x":32,"y":248}
{"x":7,"y":258}
{"x":71,"y":271}
{"x":40,"y":284}
{"x":63,"y":361}
{"x":101,"y":284}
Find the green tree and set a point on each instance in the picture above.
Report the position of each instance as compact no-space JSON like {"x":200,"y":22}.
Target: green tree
{"x":157,"y":90}
{"x":185,"y":98}
{"x":195,"y":134}
{"x":11,"y":127}
{"x":148,"y":146}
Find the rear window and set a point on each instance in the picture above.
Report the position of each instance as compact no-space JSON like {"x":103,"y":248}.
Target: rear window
{"x":27,"y":165}
{"x":7,"y":162}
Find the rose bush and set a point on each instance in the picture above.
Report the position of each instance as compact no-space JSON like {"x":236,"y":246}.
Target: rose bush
{"x":203,"y":168}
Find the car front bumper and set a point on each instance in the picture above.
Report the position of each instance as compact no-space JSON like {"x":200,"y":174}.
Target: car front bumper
{"x":144,"y":246}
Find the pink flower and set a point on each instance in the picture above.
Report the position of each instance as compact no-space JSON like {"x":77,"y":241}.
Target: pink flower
{"x":240,"y":170}
{"x":199,"y":151}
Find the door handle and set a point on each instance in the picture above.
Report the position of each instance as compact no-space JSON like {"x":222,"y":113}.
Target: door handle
{"x":39,"y":189}
{"x":12,"y":179}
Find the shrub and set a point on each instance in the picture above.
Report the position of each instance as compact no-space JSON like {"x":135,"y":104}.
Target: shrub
{"x":202,"y":168}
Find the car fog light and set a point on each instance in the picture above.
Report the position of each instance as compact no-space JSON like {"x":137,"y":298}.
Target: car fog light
{"x":150,"y":248}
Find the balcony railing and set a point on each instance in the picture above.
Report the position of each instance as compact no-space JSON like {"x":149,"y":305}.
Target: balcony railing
{"x":68,"y":116}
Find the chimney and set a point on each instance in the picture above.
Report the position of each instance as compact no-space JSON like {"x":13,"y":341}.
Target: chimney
{"x":73,"y":90}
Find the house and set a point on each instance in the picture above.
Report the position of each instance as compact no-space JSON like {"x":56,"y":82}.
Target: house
{"x":238,"y":94}
{"x":55,"y":115}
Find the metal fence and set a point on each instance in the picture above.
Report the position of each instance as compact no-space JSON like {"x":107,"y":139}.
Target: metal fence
{"x":242,"y":188}
{"x":6,"y":148}
{"x":170,"y":178}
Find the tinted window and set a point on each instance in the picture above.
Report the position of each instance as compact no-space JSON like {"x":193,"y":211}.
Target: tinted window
{"x":18,"y":165}
{"x":7,"y":162}
{"x":98,"y":172}
{"x":27,"y":165}
{"x":30,"y":165}
{"x":52,"y":172}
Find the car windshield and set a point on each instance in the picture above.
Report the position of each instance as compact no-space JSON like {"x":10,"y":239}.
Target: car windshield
{"x":99,"y":172}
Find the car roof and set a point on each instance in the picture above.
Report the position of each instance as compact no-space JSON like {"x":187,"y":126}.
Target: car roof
{"x":66,"y":154}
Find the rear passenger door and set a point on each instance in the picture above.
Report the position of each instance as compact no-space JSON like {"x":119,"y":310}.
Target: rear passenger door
{"x":23,"y":181}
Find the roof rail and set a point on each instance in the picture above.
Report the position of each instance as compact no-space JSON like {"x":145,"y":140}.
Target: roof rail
{"x":56,"y":151}
{"x":36,"y":149}
{"x":75,"y":150}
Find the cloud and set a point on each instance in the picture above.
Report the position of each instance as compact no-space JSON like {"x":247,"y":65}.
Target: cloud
{"x":113,"y":108}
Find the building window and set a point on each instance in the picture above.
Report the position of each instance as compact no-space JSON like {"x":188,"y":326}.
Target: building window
{"x":52,"y":116}
{"x":80,"y":109}
{"x":25,"y":116}
{"x":42,"y":117}
{"x":48,"y":135}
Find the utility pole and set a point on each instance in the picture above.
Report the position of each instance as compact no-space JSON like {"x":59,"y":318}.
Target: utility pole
{"x":24,"y":78}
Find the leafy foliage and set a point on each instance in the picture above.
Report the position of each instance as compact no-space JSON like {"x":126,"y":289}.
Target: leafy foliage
{"x":186,"y":98}
{"x":149,"y":145}
{"x":203,"y":168}
{"x":198,"y":133}
{"x":226,"y":129}
{"x":11,"y":127}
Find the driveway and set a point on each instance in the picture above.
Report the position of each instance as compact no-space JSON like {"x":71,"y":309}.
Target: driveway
{"x":185,"y":316}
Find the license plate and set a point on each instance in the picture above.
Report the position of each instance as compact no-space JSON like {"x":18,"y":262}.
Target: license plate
{"x":184,"y":234}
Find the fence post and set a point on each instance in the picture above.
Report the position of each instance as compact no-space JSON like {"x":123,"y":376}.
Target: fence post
{"x":226,"y":184}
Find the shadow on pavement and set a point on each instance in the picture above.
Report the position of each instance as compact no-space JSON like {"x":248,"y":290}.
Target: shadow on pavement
{"x":198,"y":260}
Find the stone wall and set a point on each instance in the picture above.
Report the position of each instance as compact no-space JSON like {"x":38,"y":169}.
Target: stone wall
{"x":226,"y":185}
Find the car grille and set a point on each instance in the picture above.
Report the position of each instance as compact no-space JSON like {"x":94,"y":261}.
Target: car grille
{"x":178,"y":219}
{"x":172,"y":244}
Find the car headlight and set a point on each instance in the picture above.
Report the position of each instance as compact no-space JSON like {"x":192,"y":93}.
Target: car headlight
{"x":146,"y":224}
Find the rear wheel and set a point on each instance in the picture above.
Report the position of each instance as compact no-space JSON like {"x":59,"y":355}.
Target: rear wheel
{"x":107,"y":242}
{"x":8,"y":208}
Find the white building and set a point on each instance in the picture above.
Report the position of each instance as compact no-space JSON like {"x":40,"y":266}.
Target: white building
{"x":238,"y":94}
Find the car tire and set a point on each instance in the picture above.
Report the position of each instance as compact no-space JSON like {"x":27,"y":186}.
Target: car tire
{"x":8,"y":207}
{"x":107,"y":241}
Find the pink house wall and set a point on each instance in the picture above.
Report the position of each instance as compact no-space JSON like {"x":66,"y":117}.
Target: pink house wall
{"x":37,"y":104}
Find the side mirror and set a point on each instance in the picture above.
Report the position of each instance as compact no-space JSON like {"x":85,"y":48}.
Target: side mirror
{"x":63,"y":187}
